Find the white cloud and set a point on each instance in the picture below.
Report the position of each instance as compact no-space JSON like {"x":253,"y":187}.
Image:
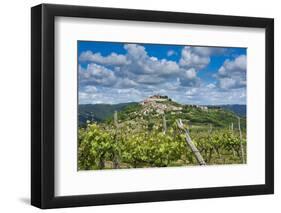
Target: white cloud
{"x":129,"y":91}
{"x":232,"y":74}
{"x":211,"y":86}
{"x":149,"y":79}
{"x":90,"y":89}
{"x":205,"y":94}
{"x":189,"y":78}
{"x":125,"y":83}
{"x":145,"y":69}
{"x":227,"y":83}
{"x":202,"y":51}
{"x":87,"y":97}
{"x":191,"y":91}
{"x":112,"y":96}
{"x":194,"y":57}
{"x":96,"y":75}
{"x":198,"y":57}
{"x":171,"y":52}
{"x":135,"y":67}
{"x":190,"y":73}
{"x":112,"y":59}
{"x":208,"y":51}
{"x":136,"y":51}
{"x":211,"y":95}
{"x":230,"y":67}
{"x":140,"y":63}
{"x":238,"y":64}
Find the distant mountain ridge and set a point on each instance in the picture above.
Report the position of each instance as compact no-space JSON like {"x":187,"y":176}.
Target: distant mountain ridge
{"x":239,"y":109}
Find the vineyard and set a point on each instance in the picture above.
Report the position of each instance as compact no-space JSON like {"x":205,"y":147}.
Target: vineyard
{"x":134,"y":139}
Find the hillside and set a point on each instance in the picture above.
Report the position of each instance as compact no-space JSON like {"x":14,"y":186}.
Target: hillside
{"x":151,"y":111}
{"x":99,"y":112}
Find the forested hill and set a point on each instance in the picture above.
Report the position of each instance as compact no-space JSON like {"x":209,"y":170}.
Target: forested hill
{"x":99,"y":112}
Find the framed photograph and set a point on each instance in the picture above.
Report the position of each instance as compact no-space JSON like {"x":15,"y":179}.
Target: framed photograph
{"x":139,"y":106}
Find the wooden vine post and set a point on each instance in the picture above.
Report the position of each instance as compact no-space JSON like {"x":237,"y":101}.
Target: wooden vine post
{"x":189,"y":142}
{"x":241,"y":140}
{"x":210,"y":128}
{"x":232,"y":149}
{"x":115,"y":157}
{"x":164,"y":124}
{"x":211,"y":149}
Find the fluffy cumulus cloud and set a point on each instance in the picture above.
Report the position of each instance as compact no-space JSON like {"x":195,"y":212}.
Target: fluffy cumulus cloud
{"x":213,"y":95}
{"x":198,"y":57}
{"x":139,"y":62}
{"x":232,"y":74}
{"x":112,"y":59}
{"x":136,"y":74}
{"x":96,"y":74}
{"x":195,"y":57}
{"x":134,"y":68}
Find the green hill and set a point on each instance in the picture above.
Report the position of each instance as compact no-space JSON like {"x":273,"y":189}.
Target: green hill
{"x":98,"y":112}
{"x":152,"y":110}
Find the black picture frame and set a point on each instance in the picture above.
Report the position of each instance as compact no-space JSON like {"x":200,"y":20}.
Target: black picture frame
{"x":43,"y":102}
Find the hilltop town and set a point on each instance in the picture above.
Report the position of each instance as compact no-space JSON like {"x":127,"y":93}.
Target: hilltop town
{"x":162,"y":104}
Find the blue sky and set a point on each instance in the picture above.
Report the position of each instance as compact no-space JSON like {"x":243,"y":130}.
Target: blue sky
{"x":127,"y":72}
